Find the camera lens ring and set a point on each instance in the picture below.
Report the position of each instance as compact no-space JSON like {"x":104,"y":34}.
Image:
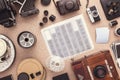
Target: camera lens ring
{"x":69,"y":5}
{"x":117,"y":32}
{"x":100,"y":71}
{"x":95,"y":13}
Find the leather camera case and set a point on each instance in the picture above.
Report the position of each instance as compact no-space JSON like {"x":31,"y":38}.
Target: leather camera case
{"x":84,"y":68}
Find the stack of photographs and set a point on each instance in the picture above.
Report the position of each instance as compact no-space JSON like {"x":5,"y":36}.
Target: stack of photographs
{"x":116,"y":50}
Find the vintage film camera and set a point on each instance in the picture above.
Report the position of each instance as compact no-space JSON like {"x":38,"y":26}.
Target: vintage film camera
{"x":27,"y":7}
{"x":93,"y":14}
{"x":7,"y":14}
{"x":96,"y":67}
{"x":67,"y":6}
{"x":111,"y":8}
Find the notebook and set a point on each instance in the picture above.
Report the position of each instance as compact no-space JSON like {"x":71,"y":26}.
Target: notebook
{"x":68,"y":38}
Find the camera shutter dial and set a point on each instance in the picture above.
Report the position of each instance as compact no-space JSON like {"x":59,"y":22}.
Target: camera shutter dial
{"x":69,"y":5}
{"x":100,"y":71}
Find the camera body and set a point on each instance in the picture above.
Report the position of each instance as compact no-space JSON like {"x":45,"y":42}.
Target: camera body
{"x":27,"y":7}
{"x":111,"y":8}
{"x":93,"y":14}
{"x":96,"y":67}
{"x":67,"y":6}
{"x":7,"y":14}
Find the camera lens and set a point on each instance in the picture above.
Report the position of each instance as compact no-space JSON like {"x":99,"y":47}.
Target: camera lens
{"x":69,"y":5}
{"x":117,"y":32}
{"x":100,"y":71}
{"x":95,"y":13}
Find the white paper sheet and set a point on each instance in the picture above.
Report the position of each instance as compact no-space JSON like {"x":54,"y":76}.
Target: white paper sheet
{"x":68,"y":38}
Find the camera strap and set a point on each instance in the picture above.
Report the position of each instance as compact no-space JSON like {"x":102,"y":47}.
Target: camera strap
{"x":55,"y":4}
{"x":79,"y":2}
{"x":87,"y":3}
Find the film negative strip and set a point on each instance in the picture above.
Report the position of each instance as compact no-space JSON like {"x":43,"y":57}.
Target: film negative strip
{"x":7,"y":53}
{"x":26,"y":39}
{"x":31,"y":69}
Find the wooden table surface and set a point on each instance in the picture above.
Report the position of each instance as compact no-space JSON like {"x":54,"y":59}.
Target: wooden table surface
{"x":39,"y":50}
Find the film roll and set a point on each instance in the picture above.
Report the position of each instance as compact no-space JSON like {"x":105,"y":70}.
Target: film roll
{"x":26,"y":39}
{"x":117,"y":32}
{"x":55,"y":63}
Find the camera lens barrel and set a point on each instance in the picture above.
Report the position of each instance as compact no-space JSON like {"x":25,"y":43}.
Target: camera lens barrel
{"x":117,"y":32}
{"x":69,"y":5}
{"x":100,"y":71}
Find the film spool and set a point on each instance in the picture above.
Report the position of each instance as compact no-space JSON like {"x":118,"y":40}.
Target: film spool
{"x":55,"y":64}
{"x":26,"y":39}
{"x":7,"y":53}
{"x":31,"y":66}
